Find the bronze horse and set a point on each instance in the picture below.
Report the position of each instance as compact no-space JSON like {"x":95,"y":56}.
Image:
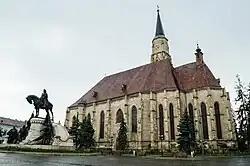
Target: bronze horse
{"x":33,"y":99}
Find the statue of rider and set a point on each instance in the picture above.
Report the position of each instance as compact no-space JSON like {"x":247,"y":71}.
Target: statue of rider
{"x":44,"y":98}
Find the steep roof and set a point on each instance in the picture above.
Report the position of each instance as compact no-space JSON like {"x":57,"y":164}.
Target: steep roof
{"x":190,"y":76}
{"x":11,"y":122}
{"x":153,"y":77}
{"x":150,"y":77}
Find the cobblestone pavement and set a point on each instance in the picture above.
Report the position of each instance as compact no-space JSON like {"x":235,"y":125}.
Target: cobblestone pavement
{"x":8,"y":159}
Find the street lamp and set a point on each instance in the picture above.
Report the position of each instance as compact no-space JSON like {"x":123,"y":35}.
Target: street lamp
{"x":161,"y":138}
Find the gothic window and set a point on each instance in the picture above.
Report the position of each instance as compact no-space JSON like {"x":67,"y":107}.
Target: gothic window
{"x":217,"y":118}
{"x":191,"y":115}
{"x":119,"y":116}
{"x":134,"y":119}
{"x":204,"y":120}
{"x":171,"y":114}
{"x":161,"y":121}
{"x":102,"y":125}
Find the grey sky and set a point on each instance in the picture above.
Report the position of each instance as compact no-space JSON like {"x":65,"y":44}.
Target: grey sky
{"x":68,"y":46}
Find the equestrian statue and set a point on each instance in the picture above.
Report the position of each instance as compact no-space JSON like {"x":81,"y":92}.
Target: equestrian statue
{"x":41,"y":103}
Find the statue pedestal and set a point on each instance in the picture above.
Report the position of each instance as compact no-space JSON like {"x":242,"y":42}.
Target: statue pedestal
{"x":61,"y":135}
{"x":35,"y":130}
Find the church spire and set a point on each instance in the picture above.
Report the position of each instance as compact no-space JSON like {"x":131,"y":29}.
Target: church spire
{"x":160,"y":49}
{"x":159,"y":28}
{"x":199,"y":56}
{"x":198,"y":48}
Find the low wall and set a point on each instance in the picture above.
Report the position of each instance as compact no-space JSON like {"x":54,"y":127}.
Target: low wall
{"x":45,"y":147}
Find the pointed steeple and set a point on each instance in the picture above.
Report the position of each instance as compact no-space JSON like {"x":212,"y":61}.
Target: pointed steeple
{"x":159,"y":28}
{"x":160,"y":49}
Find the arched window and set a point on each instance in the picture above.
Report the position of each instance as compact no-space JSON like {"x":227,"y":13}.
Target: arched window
{"x":134,"y":119}
{"x":191,"y":115}
{"x":102,"y":116}
{"x":171,"y":114}
{"x":161,"y":121}
{"x":119,"y":116}
{"x":217,"y":118}
{"x":204,"y":120}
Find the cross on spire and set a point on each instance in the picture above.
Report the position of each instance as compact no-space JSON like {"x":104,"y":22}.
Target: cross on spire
{"x":198,"y":48}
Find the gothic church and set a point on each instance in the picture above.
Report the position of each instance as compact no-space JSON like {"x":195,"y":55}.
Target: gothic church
{"x":152,"y":99}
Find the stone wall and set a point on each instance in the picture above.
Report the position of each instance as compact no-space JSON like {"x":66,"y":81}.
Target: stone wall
{"x":147,"y":105}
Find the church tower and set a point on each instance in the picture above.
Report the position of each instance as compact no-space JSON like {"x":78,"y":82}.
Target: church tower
{"x":160,"y":49}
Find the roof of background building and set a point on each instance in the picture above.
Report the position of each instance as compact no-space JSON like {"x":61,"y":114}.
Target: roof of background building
{"x":153,"y":77}
{"x":11,"y":122}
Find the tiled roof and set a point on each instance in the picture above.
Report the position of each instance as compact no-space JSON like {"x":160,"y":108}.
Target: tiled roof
{"x":153,"y":77}
{"x":190,"y":76}
{"x":11,"y":122}
{"x":150,"y":77}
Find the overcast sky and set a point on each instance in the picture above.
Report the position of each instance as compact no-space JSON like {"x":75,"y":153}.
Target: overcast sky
{"x":67,"y":46}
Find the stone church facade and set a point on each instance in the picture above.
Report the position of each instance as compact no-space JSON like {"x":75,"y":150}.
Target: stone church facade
{"x":152,"y":99}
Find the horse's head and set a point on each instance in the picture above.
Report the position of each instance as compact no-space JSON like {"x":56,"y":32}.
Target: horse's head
{"x":29,"y":99}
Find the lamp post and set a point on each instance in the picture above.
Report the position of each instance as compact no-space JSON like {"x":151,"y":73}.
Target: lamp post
{"x":161,"y":138}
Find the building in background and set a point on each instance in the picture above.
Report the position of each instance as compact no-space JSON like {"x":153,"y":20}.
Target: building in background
{"x":6,"y":123}
{"x":152,"y":99}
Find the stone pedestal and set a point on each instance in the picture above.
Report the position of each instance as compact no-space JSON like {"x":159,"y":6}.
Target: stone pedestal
{"x":35,"y":130}
{"x":61,"y":135}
